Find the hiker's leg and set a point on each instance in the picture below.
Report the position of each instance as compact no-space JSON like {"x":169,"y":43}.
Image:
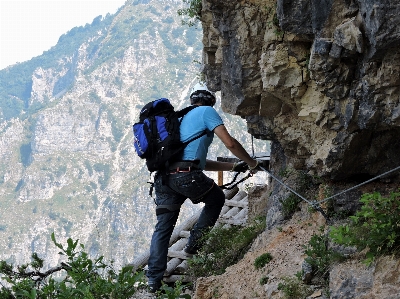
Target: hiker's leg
{"x":214,"y":201}
{"x":166,"y":219}
{"x":159,"y":245}
{"x":200,"y":188}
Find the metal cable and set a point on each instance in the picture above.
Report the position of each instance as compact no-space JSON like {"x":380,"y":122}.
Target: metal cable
{"x":286,"y":186}
{"x":316,"y":204}
{"x":359,"y":185}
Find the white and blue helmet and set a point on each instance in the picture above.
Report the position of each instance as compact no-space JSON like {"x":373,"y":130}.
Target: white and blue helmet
{"x":200,"y":94}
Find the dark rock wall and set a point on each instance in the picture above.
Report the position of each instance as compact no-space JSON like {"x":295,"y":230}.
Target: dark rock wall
{"x":321,"y":78}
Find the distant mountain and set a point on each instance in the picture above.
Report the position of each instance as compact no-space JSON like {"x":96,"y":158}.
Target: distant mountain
{"x":67,"y":161}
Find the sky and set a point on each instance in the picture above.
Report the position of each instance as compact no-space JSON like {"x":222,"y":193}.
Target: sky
{"x":29,"y":27}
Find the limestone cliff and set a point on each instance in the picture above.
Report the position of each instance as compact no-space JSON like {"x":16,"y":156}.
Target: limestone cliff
{"x":320,"y":79}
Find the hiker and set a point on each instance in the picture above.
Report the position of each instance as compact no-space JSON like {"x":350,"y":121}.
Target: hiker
{"x":185,"y":179}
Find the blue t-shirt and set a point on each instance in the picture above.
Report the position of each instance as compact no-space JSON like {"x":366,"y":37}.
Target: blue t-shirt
{"x":193,"y":124}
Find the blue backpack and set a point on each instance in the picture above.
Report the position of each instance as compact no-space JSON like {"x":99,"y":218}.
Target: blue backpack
{"x":157,"y":135}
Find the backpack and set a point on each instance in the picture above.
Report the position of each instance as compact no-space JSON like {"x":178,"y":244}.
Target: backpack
{"x":157,"y":135}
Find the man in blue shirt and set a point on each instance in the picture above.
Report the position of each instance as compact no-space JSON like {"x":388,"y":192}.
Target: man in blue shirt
{"x":185,"y":179}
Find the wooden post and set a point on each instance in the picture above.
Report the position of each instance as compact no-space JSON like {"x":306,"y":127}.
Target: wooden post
{"x":220,"y":178}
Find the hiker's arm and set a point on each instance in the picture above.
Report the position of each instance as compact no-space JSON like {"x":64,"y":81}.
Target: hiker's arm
{"x":218,"y":166}
{"x":234,"y":146}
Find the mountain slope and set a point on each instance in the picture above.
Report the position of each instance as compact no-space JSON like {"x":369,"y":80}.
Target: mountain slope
{"x":66,"y":143}
{"x":67,"y":160}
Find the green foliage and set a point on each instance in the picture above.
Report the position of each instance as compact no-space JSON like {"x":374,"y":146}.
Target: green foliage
{"x":264,"y":280}
{"x":248,"y":186}
{"x":319,"y":255}
{"x":192,"y":14}
{"x":278,"y":31}
{"x":262,"y":260}
{"x":290,"y":205}
{"x":375,"y":227}
{"x":222,"y":248}
{"x":129,"y":29}
{"x":167,"y":292}
{"x":275,"y":21}
{"x":303,"y":183}
{"x":293,"y":288}
{"x":81,"y":277}
{"x":285,"y":172}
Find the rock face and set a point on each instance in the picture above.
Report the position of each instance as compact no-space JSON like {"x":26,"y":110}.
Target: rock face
{"x":318,"y":77}
{"x":352,"y":280}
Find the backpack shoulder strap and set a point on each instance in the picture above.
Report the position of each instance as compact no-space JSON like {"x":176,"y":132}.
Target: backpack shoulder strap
{"x":182,"y":113}
{"x":196,"y":137}
{"x":185,"y":110}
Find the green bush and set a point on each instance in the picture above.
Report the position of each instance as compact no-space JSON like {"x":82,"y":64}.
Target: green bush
{"x":262,"y":260}
{"x":167,"y":292}
{"x":375,"y":227}
{"x":319,"y":255}
{"x":192,"y":13}
{"x":290,"y":205}
{"x":78,"y":277}
{"x":264,"y":280}
{"x":293,"y":288}
{"x":304,"y":183}
{"x":222,"y":248}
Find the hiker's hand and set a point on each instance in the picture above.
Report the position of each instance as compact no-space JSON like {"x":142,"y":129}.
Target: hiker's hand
{"x":255,"y":168}
{"x":240,"y":167}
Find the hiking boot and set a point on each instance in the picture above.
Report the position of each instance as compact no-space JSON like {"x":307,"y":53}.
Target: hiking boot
{"x":154,"y":286}
{"x":190,"y":250}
